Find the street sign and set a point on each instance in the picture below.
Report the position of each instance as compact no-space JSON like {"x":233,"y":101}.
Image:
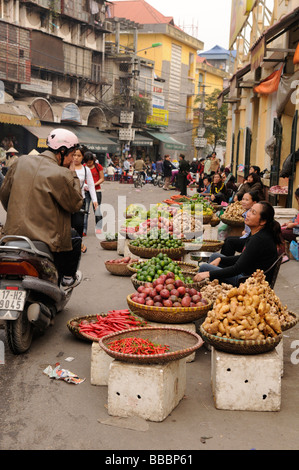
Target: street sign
{"x":201,"y":131}
{"x":200,"y":142}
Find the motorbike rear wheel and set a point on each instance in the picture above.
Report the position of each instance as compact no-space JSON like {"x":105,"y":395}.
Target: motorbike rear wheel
{"x":161,"y":183}
{"x":19,"y":333}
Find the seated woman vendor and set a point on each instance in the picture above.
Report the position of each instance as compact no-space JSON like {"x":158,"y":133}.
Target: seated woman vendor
{"x":260,"y":250}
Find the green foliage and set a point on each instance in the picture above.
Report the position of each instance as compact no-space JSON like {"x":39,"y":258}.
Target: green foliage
{"x":214,"y":119}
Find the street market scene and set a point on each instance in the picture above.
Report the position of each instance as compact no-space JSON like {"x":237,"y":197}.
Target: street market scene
{"x":149,"y":218}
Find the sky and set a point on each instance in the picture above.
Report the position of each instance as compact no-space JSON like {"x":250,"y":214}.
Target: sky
{"x":210,"y":18}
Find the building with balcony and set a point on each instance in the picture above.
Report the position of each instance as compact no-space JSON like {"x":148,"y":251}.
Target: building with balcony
{"x":52,"y":61}
{"x":170,"y":121}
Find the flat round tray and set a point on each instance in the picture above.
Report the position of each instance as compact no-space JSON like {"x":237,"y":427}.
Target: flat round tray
{"x":181,"y":342}
{"x":238,"y":346}
{"x":168,"y":314}
{"x":231,"y":222}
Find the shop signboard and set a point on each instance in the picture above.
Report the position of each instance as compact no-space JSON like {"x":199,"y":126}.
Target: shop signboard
{"x":159,"y":117}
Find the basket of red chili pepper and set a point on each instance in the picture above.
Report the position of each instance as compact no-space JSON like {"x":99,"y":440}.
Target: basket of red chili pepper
{"x":92,"y":327}
{"x":151,"y":345}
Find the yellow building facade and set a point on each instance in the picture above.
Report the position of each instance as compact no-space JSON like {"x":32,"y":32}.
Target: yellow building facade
{"x":262,"y":121}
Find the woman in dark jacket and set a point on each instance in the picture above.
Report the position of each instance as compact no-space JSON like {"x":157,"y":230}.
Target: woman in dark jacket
{"x":260,"y":252}
{"x":218,"y":190}
{"x":167,"y":171}
{"x":184,"y":169}
{"x":253,"y":183}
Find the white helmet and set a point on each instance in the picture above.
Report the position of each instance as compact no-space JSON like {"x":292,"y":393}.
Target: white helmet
{"x":59,"y":138}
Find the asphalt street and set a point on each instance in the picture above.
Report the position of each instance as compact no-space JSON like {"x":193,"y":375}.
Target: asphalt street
{"x":37,"y":413}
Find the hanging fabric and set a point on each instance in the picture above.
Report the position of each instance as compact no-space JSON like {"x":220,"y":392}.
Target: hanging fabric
{"x":270,"y":84}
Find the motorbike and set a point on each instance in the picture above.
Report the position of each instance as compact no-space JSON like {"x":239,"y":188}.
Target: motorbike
{"x":158,"y":180}
{"x":30,"y":296}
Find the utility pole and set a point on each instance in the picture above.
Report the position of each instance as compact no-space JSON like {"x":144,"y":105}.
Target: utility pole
{"x":201,"y":141}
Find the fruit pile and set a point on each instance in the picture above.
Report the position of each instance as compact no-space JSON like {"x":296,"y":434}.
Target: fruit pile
{"x":166,"y":291}
{"x":149,"y":271}
{"x":158,"y":239}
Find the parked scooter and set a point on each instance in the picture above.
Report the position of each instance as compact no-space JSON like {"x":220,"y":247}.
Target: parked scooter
{"x":30,"y":295}
{"x":158,"y":180}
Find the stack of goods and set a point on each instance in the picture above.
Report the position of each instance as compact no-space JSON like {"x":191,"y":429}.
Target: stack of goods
{"x":212,"y":289}
{"x":247,"y":312}
{"x":234,"y":212}
{"x":161,"y":264}
{"x":185,"y":223}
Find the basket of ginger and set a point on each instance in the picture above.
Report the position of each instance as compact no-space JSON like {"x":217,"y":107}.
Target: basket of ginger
{"x":247,"y":319}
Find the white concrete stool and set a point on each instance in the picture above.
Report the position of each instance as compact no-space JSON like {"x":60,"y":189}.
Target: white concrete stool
{"x":246,"y":382}
{"x":148,"y":391}
{"x":100,"y":362}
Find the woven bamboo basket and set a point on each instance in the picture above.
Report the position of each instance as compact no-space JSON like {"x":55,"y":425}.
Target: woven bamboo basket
{"x":181,"y":344}
{"x":215,"y":221}
{"x":211,"y":245}
{"x":74,"y":328}
{"x":107,"y":245}
{"x":168,"y":314}
{"x":289,"y":324}
{"x":238,"y":346}
{"x":231,"y":222}
{"x":142,"y":252}
{"x":206,"y":219}
{"x":185,"y":267}
{"x":118,"y":269}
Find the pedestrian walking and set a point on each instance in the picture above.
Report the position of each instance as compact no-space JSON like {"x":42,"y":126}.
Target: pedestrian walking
{"x":184,"y":169}
{"x":167,"y":172}
{"x":97,"y":172}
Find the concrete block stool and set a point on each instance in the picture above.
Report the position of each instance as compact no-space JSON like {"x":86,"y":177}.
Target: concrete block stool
{"x":148,"y":391}
{"x":100,"y":362}
{"x":246,"y":382}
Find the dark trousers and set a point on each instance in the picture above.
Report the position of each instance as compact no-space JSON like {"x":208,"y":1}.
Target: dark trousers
{"x":233,"y":244}
{"x":67,"y":262}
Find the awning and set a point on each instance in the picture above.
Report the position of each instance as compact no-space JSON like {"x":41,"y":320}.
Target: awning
{"x":17,"y":114}
{"x":142,"y":141}
{"x":168,"y":141}
{"x":258,"y":50}
{"x":92,"y":138}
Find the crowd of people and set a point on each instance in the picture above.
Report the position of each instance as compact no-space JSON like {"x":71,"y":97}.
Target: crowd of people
{"x":258,"y":247}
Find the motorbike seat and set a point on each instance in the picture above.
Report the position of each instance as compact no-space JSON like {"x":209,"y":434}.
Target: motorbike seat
{"x":42,"y":247}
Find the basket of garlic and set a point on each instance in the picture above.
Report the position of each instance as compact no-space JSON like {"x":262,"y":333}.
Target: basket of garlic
{"x":233,"y":215}
{"x":247,"y":319}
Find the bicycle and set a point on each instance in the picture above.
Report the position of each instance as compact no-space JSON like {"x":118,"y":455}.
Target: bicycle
{"x":138,"y":179}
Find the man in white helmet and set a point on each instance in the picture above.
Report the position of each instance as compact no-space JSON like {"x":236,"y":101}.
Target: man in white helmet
{"x":39,"y":193}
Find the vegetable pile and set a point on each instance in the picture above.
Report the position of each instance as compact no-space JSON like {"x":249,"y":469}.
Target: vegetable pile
{"x":158,"y":239}
{"x":234,"y":212}
{"x":137,"y":346}
{"x":115,"y":320}
{"x":150,"y":270}
{"x":168,"y":292}
{"x":249,"y":312}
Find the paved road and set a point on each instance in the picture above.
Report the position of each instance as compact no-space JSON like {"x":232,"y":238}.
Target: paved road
{"x":38,"y":413}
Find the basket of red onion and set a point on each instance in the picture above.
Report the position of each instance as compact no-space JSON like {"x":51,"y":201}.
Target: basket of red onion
{"x":167,"y":301}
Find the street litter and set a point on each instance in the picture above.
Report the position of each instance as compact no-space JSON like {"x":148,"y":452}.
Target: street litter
{"x":63,"y":374}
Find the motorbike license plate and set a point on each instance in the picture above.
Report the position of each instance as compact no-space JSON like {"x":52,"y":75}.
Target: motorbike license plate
{"x":12,"y":299}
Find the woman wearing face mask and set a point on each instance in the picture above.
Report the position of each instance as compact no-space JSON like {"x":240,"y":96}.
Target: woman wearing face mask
{"x":233,"y":244}
{"x":260,"y":250}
